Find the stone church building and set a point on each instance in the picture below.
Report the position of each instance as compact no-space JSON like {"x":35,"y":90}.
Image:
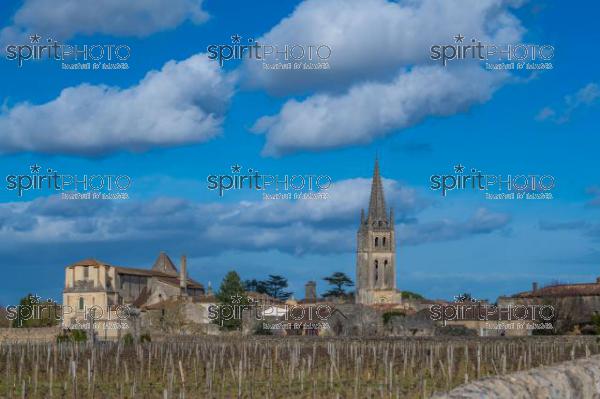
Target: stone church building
{"x":95,"y":286}
{"x":376,"y":250}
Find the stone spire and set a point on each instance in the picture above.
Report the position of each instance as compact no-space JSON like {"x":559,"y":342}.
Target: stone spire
{"x":377,"y":212}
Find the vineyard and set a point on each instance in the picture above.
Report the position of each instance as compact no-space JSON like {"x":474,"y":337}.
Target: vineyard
{"x":228,"y":367}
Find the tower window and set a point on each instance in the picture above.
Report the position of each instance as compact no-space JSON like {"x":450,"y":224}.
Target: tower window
{"x":81,"y":303}
{"x":383,"y":241}
{"x":376,"y":241}
{"x":385,"y":269}
{"x":376,"y":271}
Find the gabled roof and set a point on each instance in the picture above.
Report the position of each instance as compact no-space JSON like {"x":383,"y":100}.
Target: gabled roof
{"x":164,"y":264}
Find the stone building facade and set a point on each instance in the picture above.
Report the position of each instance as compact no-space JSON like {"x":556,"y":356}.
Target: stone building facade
{"x":99,"y":292}
{"x":573,"y":304}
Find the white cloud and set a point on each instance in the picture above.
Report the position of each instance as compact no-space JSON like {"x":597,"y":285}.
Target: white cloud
{"x":482,"y":221}
{"x":62,"y":19}
{"x":584,"y":97}
{"x":295,"y":227}
{"x":183,"y":102}
{"x":381,"y":78}
{"x":545,"y":113}
{"x":371,"y":110}
{"x":373,"y":39}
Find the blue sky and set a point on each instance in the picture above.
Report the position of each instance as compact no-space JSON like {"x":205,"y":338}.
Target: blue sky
{"x":171,"y":128}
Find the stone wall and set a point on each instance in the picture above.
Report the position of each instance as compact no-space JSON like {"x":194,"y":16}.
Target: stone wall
{"x":41,"y":334}
{"x":573,"y":379}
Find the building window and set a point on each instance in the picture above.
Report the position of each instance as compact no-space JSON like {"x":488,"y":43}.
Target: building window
{"x":385,"y":269}
{"x":376,"y":241}
{"x":376,"y":270}
{"x":81,"y":303}
{"x":86,"y":273}
{"x":383,"y":241}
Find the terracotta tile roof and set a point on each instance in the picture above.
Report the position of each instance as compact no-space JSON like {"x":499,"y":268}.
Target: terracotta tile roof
{"x":88,"y":262}
{"x":264,"y":298}
{"x":137,"y":272}
{"x":205,"y":299}
{"x":175,"y":281}
{"x":562,"y":290}
{"x":161,"y":304}
{"x":142,"y":298}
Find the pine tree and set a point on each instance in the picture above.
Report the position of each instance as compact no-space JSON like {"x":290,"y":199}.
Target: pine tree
{"x":338,"y":280}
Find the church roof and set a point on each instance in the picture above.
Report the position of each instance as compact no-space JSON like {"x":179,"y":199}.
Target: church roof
{"x":164,"y":264}
{"x":377,"y":202}
{"x":87,"y":262}
{"x":163,"y":269}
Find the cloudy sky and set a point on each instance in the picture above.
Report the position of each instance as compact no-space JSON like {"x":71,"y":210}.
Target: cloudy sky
{"x":174,"y":117}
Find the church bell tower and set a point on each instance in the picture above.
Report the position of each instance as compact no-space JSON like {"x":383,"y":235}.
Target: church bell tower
{"x":376,"y":250}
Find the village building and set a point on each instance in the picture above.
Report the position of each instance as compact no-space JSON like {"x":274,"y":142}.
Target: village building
{"x":573,"y":305}
{"x":101,"y":293}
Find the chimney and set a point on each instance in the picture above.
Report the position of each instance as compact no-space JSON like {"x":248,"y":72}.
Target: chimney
{"x":310,"y":294}
{"x":183,"y":276}
{"x":534,"y":287}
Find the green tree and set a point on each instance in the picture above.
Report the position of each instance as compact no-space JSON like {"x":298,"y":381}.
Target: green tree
{"x":255,"y":285}
{"x":274,"y":286}
{"x":231,"y":297}
{"x":32,"y":312}
{"x":339,"y":281}
{"x":411,"y":295}
{"x":72,"y":336}
{"x":596,"y":323}
{"x":388,"y":316}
